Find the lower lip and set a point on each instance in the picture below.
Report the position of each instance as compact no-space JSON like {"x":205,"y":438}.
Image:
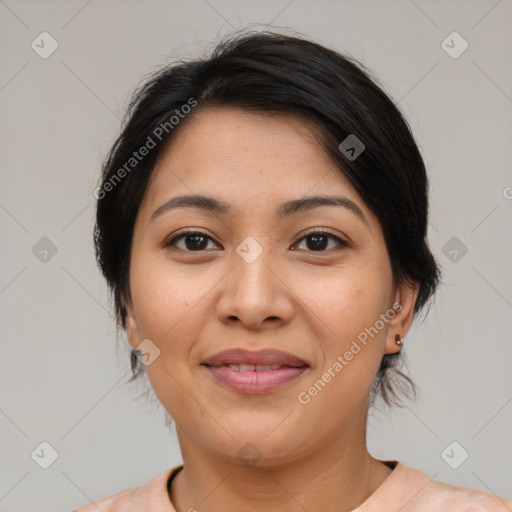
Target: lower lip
{"x":253,"y":382}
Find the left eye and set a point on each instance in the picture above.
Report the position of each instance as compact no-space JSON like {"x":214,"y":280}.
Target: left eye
{"x":318,"y":241}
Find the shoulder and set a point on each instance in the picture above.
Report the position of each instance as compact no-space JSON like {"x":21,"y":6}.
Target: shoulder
{"x":152,"y":496}
{"x":119,"y":502}
{"x":428,"y":495}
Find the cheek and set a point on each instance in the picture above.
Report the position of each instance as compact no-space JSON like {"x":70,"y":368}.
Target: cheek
{"x":347,"y":307}
{"x":348,"y":301}
{"x":166,"y":300}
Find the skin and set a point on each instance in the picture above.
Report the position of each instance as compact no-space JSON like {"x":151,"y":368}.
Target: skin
{"x":194,"y":303}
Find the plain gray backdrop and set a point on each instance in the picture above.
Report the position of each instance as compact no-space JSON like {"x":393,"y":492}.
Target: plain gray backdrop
{"x":62,"y":375}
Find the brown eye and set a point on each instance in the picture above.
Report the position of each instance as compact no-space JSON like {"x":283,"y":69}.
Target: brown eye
{"x":318,"y":241}
{"x":193,"y":241}
{"x":315,"y":241}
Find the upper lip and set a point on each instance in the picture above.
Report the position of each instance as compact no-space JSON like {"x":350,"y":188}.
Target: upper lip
{"x":260,"y":357}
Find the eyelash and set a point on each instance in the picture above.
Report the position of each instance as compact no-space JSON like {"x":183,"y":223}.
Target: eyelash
{"x":170,"y":243}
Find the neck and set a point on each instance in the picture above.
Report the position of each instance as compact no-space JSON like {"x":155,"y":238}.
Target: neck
{"x":338,"y":475}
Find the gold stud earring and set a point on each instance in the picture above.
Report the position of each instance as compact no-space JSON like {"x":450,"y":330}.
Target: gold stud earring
{"x":399,"y":340}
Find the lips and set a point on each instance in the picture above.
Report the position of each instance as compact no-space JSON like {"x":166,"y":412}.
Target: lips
{"x":255,"y":367}
{"x":261,"y":360}
{"x":250,"y":372}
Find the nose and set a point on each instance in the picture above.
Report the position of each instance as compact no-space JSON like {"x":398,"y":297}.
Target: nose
{"x":255,"y":292}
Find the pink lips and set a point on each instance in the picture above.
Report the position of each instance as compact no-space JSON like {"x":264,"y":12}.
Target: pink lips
{"x":254,"y":372}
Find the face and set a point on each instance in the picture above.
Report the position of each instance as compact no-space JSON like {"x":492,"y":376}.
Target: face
{"x":313,"y":280}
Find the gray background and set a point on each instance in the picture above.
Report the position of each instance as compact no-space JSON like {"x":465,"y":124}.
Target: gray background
{"x":62,"y":374}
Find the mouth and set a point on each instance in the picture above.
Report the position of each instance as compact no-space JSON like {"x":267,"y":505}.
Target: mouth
{"x":254,"y":372}
{"x":253,"y":367}
{"x":261,"y":360}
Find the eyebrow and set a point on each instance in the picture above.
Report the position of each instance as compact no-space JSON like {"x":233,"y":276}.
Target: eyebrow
{"x":211,"y":205}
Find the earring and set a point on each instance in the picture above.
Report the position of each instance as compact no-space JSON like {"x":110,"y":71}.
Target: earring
{"x":399,"y":340}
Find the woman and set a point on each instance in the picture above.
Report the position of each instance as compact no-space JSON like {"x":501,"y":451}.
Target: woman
{"x":262,"y":223}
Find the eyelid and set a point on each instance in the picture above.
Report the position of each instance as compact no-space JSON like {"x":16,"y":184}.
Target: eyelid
{"x":171,"y":240}
{"x":322,"y":231}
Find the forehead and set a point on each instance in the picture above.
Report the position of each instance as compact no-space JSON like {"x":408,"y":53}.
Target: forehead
{"x":246,"y":159}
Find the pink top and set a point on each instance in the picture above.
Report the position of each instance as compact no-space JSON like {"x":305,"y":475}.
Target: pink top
{"x":404,"y":490}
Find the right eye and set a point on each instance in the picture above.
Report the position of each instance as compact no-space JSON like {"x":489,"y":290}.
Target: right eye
{"x":194,"y":241}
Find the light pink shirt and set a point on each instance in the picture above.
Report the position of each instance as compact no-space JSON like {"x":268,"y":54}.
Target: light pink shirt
{"x":405,"y":490}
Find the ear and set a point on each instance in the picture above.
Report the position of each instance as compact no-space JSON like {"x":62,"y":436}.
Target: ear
{"x":403,"y":305}
{"x":132,"y":330}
